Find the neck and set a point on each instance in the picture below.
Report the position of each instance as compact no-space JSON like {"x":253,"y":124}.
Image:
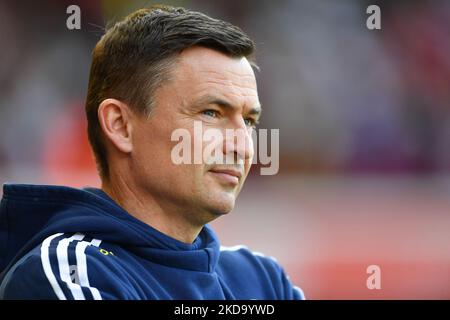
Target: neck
{"x":145,"y":207}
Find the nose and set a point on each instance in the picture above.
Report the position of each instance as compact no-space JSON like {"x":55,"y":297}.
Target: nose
{"x":238,"y":144}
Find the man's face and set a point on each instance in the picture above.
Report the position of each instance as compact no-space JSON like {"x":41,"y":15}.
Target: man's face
{"x":218,"y":92}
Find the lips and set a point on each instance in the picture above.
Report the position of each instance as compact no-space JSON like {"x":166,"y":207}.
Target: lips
{"x":231,"y":172}
{"x":227,"y":176}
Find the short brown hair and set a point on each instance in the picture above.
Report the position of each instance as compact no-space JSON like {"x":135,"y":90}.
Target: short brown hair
{"x":133,"y":58}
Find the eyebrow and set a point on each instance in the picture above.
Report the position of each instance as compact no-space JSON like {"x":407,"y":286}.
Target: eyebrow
{"x":210,"y":99}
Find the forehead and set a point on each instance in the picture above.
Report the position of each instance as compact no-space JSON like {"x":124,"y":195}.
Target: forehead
{"x":202,"y":71}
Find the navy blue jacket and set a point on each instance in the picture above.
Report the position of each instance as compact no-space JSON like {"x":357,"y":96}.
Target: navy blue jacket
{"x":65,"y":243}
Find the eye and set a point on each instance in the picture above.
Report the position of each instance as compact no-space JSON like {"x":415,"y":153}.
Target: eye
{"x":250,"y":122}
{"x":211,"y":113}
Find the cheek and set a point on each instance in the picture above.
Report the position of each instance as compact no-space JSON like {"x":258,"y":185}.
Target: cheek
{"x":251,"y":141}
{"x":152,"y":151}
{"x":247,"y":167}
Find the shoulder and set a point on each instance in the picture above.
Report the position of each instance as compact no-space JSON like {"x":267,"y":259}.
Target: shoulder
{"x":245,"y":261}
{"x":242,"y":255}
{"x":64,"y":267}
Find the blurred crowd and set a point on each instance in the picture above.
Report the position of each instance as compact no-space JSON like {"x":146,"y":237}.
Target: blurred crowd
{"x":346,"y":99}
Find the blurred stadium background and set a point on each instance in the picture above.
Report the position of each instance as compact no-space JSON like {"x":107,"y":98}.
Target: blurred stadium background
{"x":364,"y":119}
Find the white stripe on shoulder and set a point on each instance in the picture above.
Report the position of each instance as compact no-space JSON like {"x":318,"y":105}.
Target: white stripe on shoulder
{"x":82,"y":266}
{"x":300,"y":291}
{"x":45,"y":260}
{"x":233,"y":248}
{"x":262,"y":255}
{"x":255,"y":253}
{"x":64,"y":268}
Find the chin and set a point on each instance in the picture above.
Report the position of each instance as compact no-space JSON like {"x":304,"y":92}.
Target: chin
{"x":221,"y":204}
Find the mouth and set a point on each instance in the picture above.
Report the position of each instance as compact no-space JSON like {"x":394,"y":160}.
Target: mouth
{"x":228,"y":176}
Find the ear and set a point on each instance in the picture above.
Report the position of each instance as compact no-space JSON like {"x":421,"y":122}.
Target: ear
{"x":114,"y":117}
